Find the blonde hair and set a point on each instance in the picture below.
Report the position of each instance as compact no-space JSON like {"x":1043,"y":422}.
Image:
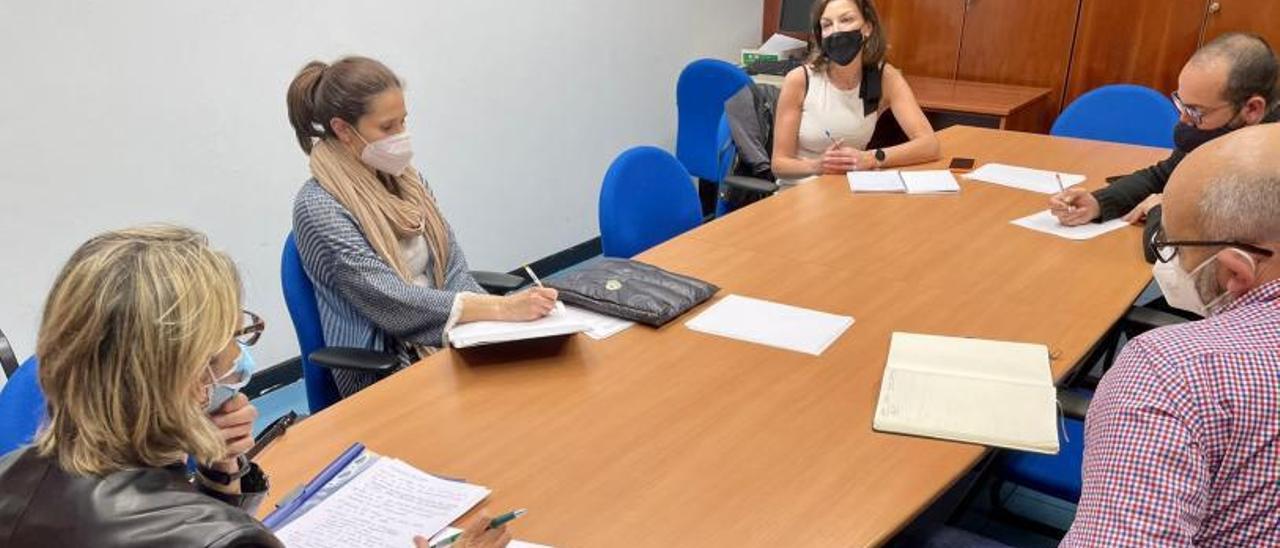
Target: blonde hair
{"x":129,"y":329}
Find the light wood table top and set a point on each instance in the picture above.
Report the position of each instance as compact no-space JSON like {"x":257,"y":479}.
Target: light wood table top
{"x":670,"y":437}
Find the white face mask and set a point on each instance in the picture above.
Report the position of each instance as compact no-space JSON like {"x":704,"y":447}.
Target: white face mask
{"x":390,"y":154}
{"x":1196,"y":291}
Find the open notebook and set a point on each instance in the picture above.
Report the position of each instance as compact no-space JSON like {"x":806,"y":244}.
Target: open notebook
{"x":558,"y":322}
{"x":939,"y":181}
{"x":971,"y":390}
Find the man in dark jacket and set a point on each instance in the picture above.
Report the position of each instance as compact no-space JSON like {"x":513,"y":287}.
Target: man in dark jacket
{"x":1228,"y":84}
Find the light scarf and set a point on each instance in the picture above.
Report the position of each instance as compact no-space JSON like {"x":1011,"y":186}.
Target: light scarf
{"x":384,"y":217}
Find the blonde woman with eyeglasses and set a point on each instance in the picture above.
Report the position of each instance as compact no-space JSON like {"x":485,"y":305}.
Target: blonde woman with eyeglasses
{"x":142,"y":352}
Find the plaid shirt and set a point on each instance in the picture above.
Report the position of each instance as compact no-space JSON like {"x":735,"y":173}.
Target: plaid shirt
{"x":1182,"y":441}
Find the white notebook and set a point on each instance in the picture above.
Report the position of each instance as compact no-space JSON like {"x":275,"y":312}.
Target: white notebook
{"x":771,"y":324}
{"x":557,"y":323}
{"x":1045,"y":222}
{"x":987,"y":392}
{"x":600,"y":326}
{"x":938,"y":181}
{"x":1024,"y":178}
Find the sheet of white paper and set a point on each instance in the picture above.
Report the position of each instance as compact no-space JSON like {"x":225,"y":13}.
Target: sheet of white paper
{"x":1044,"y":221}
{"x":449,"y":531}
{"x":931,"y":181}
{"x":780,"y":43}
{"x":876,"y":181}
{"x":386,"y":505}
{"x":771,"y":324}
{"x":558,"y":322}
{"x":600,"y":326}
{"x":1025,"y":178}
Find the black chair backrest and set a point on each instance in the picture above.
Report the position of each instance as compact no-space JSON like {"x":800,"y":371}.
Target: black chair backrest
{"x":8,"y":361}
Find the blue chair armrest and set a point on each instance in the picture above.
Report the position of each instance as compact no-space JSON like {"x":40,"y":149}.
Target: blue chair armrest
{"x":354,"y":359}
{"x":1074,"y":404}
{"x":1140,"y":319}
{"x":751,"y":183}
{"x":497,"y":283}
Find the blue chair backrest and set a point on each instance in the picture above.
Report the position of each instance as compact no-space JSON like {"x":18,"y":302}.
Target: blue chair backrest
{"x":703,"y":143}
{"x":647,"y":198}
{"x":1120,"y":113}
{"x":21,"y":407}
{"x":300,"y":298}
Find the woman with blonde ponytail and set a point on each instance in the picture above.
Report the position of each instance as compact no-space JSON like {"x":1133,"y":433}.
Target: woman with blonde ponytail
{"x":388,"y":272}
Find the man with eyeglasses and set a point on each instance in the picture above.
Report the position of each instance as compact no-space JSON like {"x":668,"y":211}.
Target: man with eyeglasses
{"x":1182,"y":439}
{"x":1228,"y":84}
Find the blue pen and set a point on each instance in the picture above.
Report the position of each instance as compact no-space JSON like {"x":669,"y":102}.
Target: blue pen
{"x":339,"y":464}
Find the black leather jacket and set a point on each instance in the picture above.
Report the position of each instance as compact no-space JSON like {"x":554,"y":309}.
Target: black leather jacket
{"x":41,"y":505}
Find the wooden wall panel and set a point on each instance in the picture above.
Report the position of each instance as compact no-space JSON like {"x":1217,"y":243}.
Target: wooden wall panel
{"x":1257,"y":16}
{"x":924,"y":35}
{"x":1143,"y":42}
{"x":1020,"y":42}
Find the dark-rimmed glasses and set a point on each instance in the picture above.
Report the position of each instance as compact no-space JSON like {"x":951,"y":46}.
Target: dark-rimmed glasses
{"x":1165,"y":250}
{"x":252,"y":330}
{"x":1196,"y":114}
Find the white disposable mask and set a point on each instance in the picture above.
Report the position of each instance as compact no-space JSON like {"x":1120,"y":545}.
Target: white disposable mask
{"x":390,"y":154}
{"x":1197,"y":291}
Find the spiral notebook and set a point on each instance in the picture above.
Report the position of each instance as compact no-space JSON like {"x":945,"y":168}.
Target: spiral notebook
{"x":971,"y":390}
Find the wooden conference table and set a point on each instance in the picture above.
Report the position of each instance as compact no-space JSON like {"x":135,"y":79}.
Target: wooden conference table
{"x":671,"y":437}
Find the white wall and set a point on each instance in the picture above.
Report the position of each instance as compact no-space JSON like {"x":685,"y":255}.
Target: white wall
{"x":121,"y":112}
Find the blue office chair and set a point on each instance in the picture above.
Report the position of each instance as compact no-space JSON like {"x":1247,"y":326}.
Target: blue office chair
{"x":1120,"y":113}
{"x":703,"y":142}
{"x":317,"y":359}
{"x":647,"y":198}
{"x":21,"y":406}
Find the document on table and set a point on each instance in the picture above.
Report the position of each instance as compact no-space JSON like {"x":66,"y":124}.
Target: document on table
{"x":450,"y":531}
{"x":771,"y":324}
{"x":558,"y":322}
{"x":1025,"y":178}
{"x":971,"y":390}
{"x":1044,"y":221}
{"x":386,"y":505}
{"x":599,"y":326}
{"x":936,"y":181}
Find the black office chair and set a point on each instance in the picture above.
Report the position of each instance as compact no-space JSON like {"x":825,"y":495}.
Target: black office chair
{"x":8,"y":361}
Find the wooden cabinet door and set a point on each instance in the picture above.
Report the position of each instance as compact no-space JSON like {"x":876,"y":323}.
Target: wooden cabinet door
{"x":1143,"y":42}
{"x":924,"y":35}
{"x":1256,"y":16}
{"x":1020,"y":42}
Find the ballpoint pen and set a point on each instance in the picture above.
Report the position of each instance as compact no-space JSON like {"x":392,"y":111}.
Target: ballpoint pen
{"x":533,"y":276}
{"x":1062,"y":189}
{"x":493,"y":524}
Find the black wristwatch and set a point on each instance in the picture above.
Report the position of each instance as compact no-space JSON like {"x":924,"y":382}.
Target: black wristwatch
{"x":223,"y":478}
{"x":880,"y":156}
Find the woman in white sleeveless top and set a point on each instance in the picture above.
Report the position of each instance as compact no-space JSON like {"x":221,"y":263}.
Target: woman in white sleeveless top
{"x":828,"y":108}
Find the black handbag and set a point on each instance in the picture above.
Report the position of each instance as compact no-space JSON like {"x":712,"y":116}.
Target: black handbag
{"x":631,"y":290}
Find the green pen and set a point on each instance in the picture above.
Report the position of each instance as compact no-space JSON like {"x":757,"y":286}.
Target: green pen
{"x":493,"y":524}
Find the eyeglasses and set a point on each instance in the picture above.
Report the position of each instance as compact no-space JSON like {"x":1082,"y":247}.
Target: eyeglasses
{"x":1165,"y":250}
{"x":1196,"y":114}
{"x":252,"y":330}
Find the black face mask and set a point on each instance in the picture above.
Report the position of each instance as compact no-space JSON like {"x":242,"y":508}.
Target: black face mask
{"x":1188,"y":138}
{"x":842,"y":47}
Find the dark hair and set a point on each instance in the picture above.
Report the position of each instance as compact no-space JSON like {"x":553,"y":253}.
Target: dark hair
{"x":873,"y":50}
{"x":321,"y":92}
{"x":1254,"y":67}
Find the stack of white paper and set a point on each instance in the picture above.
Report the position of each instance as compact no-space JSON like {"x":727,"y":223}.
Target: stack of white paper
{"x":971,"y":390}
{"x":386,"y":505}
{"x":781,"y":44}
{"x":1024,"y":178}
{"x":599,"y":326}
{"x":939,"y":181}
{"x":771,"y":324}
{"x":1044,"y":221}
{"x":558,"y":322}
